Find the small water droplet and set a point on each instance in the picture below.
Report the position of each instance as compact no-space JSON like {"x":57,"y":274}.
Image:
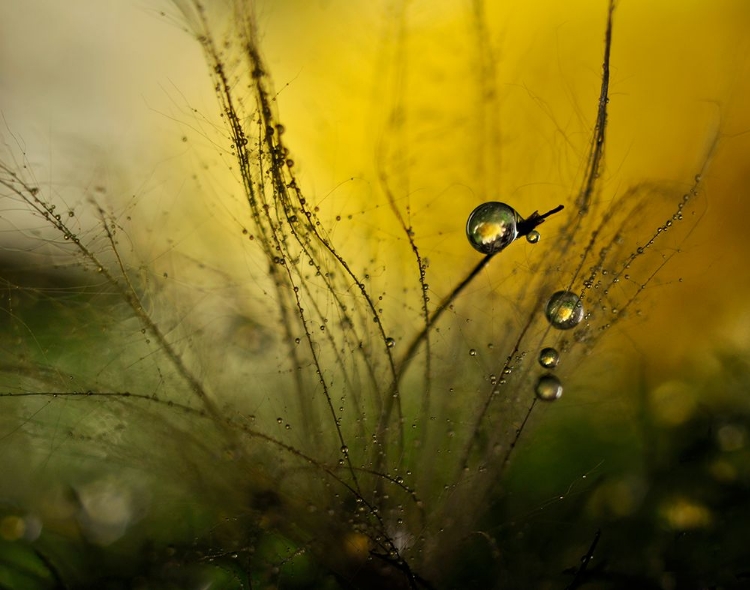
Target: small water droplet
{"x":344,"y":450}
{"x":492,"y":227}
{"x":549,"y":358}
{"x":548,"y":388}
{"x":390,"y":342}
{"x":564,"y":310}
{"x":533,"y":236}
{"x":473,"y":352}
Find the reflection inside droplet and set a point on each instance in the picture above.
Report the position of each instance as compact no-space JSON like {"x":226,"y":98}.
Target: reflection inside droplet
{"x":492,"y":227}
{"x":549,"y":357}
{"x":548,"y":388}
{"x":564,"y":310}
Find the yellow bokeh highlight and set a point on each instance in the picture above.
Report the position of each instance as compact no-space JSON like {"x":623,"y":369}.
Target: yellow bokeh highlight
{"x":684,"y":514}
{"x":357,"y":546}
{"x":723,"y":471}
{"x":673,"y":403}
{"x":12,"y":528}
{"x":618,"y":498}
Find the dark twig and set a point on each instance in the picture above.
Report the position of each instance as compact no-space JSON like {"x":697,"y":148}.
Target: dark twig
{"x":585,"y":560}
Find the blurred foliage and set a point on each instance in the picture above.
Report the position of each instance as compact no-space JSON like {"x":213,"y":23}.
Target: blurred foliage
{"x":669,"y":497}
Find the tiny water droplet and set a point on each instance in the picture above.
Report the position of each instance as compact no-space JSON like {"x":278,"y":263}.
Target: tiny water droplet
{"x":344,"y":450}
{"x":549,"y":358}
{"x":564,"y":310}
{"x":390,"y":342}
{"x":533,"y":236}
{"x":472,"y":352}
{"x":492,"y":227}
{"x":548,"y":388}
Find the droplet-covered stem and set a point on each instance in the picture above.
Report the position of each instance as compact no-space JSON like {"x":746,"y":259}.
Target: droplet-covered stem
{"x":525,"y":226}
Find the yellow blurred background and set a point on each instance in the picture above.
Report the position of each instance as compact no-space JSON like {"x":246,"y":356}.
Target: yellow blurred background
{"x":453,"y":103}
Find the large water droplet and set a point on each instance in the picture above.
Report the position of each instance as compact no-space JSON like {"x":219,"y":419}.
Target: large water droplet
{"x":564,"y":310}
{"x":548,"y":358}
{"x":492,"y":226}
{"x":548,"y":388}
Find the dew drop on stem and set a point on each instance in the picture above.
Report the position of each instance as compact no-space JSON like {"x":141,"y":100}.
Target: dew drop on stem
{"x":564,"y":310}
{"x":548,"y":388}
{"x":492,"y":227}
{"x":549,"y":358}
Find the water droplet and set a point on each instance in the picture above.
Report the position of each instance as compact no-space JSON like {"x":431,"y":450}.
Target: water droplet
{"x":492,"y":227}
{"x":564,"y":310}
{"x":548,"y":388}
{"x":533,"y":236}
{"x":390,"y":342}
{"x":344,"y":450}
{"x":473,"y":352}
{"x":549,"y":358}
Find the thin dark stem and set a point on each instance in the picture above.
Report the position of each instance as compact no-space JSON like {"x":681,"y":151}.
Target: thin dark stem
{"x":526,"y":226}
{"x":585,"y":560}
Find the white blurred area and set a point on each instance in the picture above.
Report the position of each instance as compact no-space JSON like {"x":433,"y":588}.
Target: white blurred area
{"x":88,"y":93}
{"x":107,"y":507}
{"x":94,"y":78}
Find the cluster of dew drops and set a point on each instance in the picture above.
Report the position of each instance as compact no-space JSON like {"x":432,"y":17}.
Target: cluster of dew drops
{"x":492,"y":227}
